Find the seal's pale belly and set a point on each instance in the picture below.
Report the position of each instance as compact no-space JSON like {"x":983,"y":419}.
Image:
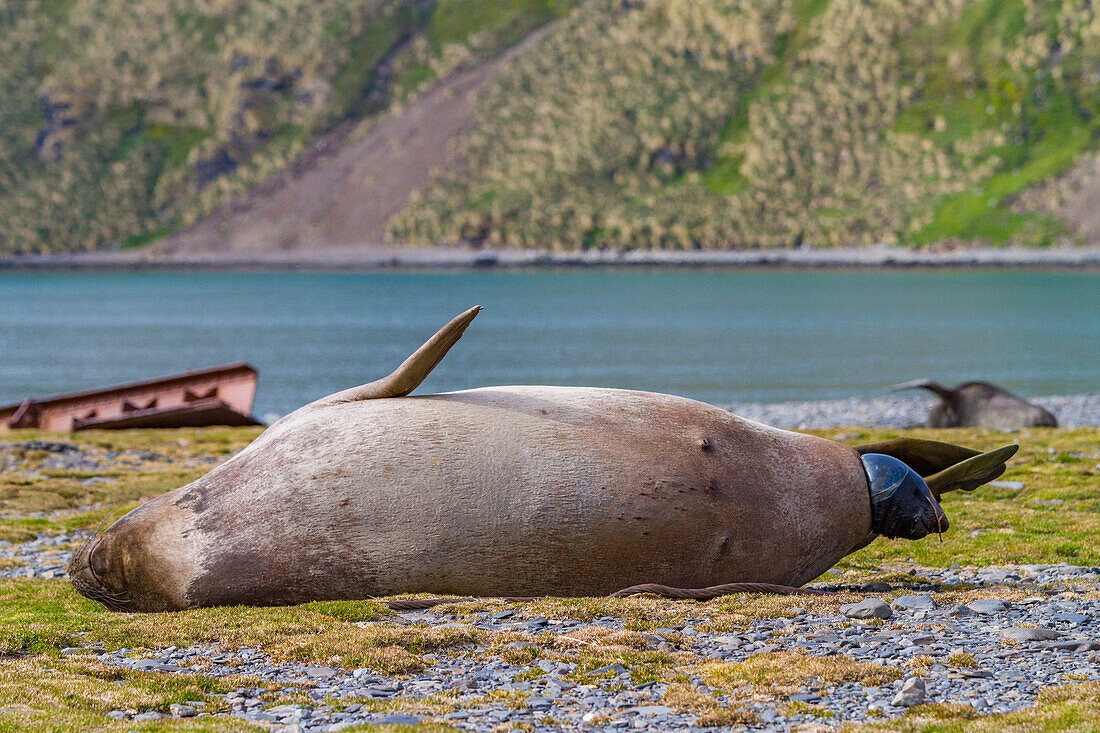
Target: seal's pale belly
{"x":519,"y":491}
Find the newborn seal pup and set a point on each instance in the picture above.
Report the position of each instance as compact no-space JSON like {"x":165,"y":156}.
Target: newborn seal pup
{"x":980,"y":405}
{"x":515,"y":491}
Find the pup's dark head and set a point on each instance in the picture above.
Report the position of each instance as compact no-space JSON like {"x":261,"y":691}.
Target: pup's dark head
{"x":902,"y":505}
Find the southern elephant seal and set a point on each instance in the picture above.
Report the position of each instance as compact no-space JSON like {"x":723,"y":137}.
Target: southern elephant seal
{"x":980,"y":405}
{"x":514,"y":491}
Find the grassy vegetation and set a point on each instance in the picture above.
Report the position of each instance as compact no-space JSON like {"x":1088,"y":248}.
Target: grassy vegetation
{"x":120,"y":122}
{"x":41,"y":689}
{"x":1065,"y":708}
{"x":678,"y":125}
{"x":796,"y":122}
{"x":787,"y":669}
{"x":50,"y":693}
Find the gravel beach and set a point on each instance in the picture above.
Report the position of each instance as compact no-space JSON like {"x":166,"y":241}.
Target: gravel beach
{"x":386,"y":257}
{"x":896,"y":411}
{"x":1027,"y":628}
{"x":989,"y":634}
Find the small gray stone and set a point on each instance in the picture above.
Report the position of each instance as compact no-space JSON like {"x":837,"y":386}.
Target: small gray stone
{"x":988,"y":605}
{"x":972,"y":673}
{"x":119,"y":715}
{"x":609,"y":668}
{"x":397,"y":719}
{"x":1030,"y":634}
{"x":262,"y":717}
{"x":1073,"y":619}
{"x":321,"y":672}
{"x":1014,"y":485}
{"x":910,"y":694}
{"x":867,"y":608}
{"x":151,"y":715}
{"x":1072,"y":645}
{"x":728,"y":641}
{"x":913,"y":603}
{"x":179,"y":710}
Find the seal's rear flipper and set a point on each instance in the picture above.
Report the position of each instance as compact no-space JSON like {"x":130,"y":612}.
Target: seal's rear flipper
{"x":414,"y":370}
{"x":928,"y":384}
{"x":926,"y":457}
{"x":971,"y":473}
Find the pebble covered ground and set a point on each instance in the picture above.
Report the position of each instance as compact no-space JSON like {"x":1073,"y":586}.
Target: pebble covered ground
{"x":900,"y":410}
{"x":992,"y":655}
{"x":984,"y":640}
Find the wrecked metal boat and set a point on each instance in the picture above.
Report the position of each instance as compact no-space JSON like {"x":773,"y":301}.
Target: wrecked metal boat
{"x":220,"y":395}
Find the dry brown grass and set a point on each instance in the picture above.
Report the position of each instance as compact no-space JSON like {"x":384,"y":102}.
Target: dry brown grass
{"x":785,"y":669}
{"x":712,"y":713}
{"x":961,"y":659}
{"x":382,"y":647}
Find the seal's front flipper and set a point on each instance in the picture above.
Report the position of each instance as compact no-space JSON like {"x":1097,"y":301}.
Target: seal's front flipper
{"x":971,"y":473}
{"x":414,"y":370}
{"x":926,"y":457}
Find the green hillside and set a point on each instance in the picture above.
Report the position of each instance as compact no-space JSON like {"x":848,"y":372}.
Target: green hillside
{"x":120,"y":121}
{"x":633,"y":124}
{"x":773,"y":123}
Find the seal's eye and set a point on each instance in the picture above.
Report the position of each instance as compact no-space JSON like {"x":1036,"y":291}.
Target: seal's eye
{"x":98,"y":561}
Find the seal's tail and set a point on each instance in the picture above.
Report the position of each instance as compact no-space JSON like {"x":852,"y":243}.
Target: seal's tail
{"x":971,"y":473}
{"x":413,"y":370}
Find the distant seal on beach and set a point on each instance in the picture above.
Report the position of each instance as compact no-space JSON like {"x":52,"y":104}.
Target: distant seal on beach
{"x":980,"y":405}
{"x":515,"y":491}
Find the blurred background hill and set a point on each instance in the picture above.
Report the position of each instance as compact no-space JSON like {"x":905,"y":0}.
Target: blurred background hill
{"x":679,"y":124}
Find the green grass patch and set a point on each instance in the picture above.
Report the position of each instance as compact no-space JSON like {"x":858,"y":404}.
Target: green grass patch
{"x":45,"y":693}
{"x":725,"y":176}
{"x":489,"y":26}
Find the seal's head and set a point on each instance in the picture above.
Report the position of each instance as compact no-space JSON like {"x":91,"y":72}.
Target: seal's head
{"x":135,"y":565}
{"x":902,"y":505}
{"x":96,"y":573}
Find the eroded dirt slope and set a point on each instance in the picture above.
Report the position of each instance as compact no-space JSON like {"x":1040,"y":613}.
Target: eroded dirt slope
{"x":343,"y":192}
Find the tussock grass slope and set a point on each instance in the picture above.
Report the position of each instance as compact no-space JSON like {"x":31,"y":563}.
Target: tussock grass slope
{"x":121,"y":121}
{"x":740,"y":123}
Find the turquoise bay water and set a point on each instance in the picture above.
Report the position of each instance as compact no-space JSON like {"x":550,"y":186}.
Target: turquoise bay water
{"x":765,"y":336}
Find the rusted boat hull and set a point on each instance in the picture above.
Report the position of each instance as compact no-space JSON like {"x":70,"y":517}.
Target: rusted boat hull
{"x":216,"y":396}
